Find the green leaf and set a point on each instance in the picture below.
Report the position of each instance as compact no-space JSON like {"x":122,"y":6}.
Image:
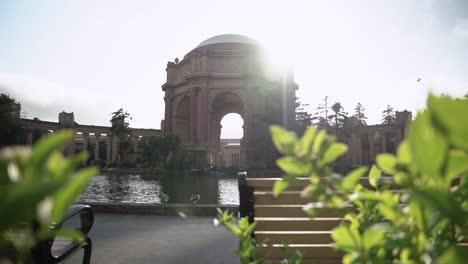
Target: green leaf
{"x":454,"y":255}
{"x":305,"y":145}
{"x":374,"y":176}
{"x":318,"y":141}
{"x":284,"y":140}
{"x":45,"y":146}
{"x":373,"y":236}
{"x":452,"y":116}
{"x":442,"y":202}
{"x":74,"y":235}
{"x":279,"y":186}
{"x":352,"y":178}
{"x":428,"y":146}
{"x":403,"y":153}
{"x":250,"y":229}
{"x":293,"y":166}
{"x":19,"y":203}
{"x":346,"y":238}
{"x":387,"y":163}
{"x":457,"y":163}
{"x":244,"y":223}
{"x":66,"y":195}
{"x":333,"y":153}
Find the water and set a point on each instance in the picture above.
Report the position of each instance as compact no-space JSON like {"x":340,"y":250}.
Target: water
{"x":147,"y":189}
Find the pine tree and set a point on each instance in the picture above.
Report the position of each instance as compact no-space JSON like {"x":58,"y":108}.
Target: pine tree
{"x":359,"y":114}
{"x":11,"y":131}
{"x":388,"y":116}
{"x":303,"y":118}
{"x":121,"y":129}
{"x":320,"y":118}
{"x":338,"y":117}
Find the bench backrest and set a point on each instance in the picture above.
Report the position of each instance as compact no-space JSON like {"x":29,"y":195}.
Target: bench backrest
{"x":57,"y":249}
{"x":282,"y":220}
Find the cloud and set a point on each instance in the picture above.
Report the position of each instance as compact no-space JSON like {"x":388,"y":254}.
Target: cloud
{"x":461,"y":28}
{"x":43,"y":99}
{"x":31,"y":88}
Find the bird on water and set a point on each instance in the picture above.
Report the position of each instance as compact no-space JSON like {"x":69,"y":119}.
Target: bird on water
{"x":164,"y":198}
{"x":195,"y":198}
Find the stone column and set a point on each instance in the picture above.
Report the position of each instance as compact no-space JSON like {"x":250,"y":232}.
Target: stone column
{"x":193,"y":117}
{"x":384,"y":142}
{"x":135,"y":148}
{"x":204,"y":117}
{"x":115,"y":148}
{"x":358,"y":149}
{"x":168,"y":114}
{"x":108,"y":148}
{"x":85,"y":142}
{"x":353,"y":148}
{"x":96,"y":146}
{"x":399,"y":137}
{"x":72,"y":144}
{"x":30,"y":138}
{"x":371,"y":147}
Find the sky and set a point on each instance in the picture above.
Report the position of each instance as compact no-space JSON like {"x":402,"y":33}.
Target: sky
{"x":92,"y":57}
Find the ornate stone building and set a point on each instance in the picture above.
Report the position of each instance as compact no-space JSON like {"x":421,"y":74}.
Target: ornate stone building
{"x":96,"y":140}
{"x":365,"y":142}
{"x":226,"y":74}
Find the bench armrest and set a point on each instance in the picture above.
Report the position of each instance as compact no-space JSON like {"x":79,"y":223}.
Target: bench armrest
{"x":246,"y":198}
{"x":86,"y":216}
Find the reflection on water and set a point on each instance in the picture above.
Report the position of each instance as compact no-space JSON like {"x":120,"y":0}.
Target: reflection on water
{"x":147,"y":188}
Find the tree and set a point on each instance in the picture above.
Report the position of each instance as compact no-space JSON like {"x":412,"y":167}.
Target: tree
{"x":338,"y":117}
{"x":388,"y":116}
{"x":11,"y":131}
{"x":121,"y":130}
{"x":303,"y":118}
{"x":157,"y":150}
{"x":359,"y":114}
{"x":320,"y":118}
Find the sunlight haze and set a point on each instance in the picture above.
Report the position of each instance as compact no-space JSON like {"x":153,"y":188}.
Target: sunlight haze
{"x":92,"y":57}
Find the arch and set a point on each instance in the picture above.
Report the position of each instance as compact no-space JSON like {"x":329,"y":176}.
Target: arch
{"x":231,"y":139}
{"x":223,"y":103}
{"x":182,"y":117}
{"x":234,"y":100}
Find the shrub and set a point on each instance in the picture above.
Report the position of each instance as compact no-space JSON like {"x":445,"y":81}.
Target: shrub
{"x":422,"y":224}
{"x":37,"y":186}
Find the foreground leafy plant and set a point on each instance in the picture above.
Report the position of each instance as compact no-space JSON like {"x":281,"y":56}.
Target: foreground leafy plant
{"x":37,"y":186}
{"x":417,"y":215}
{"x":422,"y":222}
{"x":249,"y":249}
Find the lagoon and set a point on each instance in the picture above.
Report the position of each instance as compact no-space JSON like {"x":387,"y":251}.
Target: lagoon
{"x":146,"y":188}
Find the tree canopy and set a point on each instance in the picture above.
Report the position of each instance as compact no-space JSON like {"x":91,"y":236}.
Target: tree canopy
{"x":320,"y":118}
{"x":11,"y":131}
{"x":359,"y":114}
{"x":121,"y":130}
{"x":156,"y":151}
{"x":338,"y":117}
{"x":388,"y":116}
{"x":303,"y":118}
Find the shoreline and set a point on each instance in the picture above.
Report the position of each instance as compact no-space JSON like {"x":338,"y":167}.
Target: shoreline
{"x":160,"y":209}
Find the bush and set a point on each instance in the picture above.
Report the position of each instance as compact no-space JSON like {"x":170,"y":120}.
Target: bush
{"x":422,"y":225}
{"x":37,"y":186}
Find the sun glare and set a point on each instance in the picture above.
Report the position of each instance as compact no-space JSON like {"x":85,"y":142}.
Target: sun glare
{"x":277,"y":57}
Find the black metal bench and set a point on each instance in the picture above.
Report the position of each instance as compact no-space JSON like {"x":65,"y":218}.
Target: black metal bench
{"x":58,"y":249}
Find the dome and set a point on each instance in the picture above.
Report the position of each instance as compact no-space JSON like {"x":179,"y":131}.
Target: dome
{"x":228,"y":38}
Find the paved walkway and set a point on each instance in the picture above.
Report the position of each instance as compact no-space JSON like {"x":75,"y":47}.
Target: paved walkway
{"x":159,"y":239}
